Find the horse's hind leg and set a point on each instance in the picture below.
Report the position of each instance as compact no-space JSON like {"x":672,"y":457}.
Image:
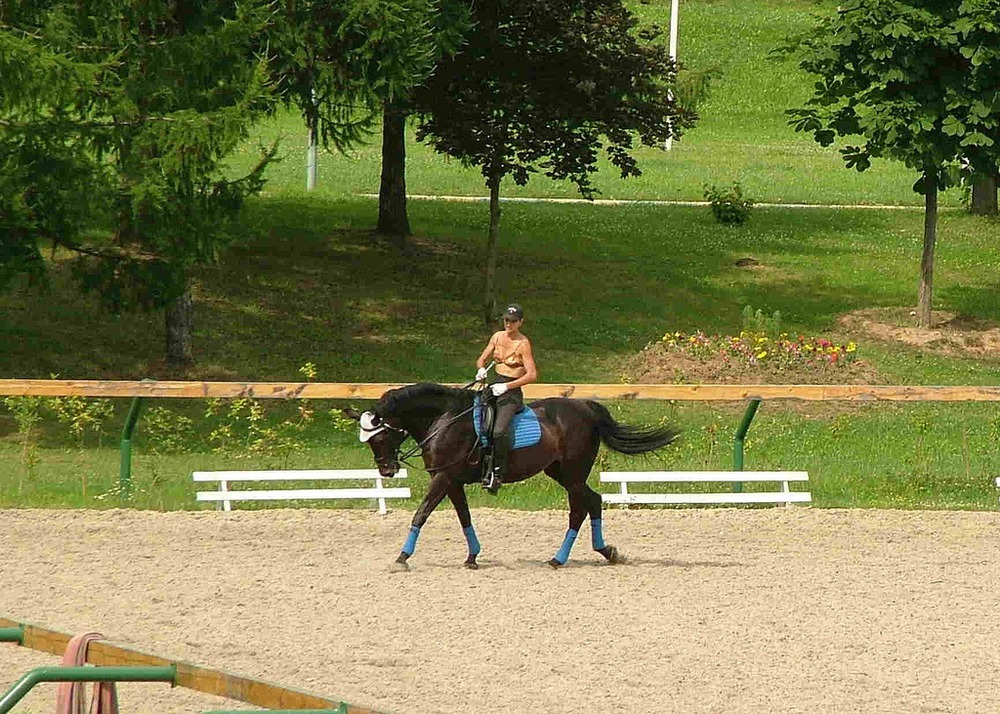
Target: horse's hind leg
{"x":583,"y":501}
{"x":577,"y":511}
{"x":456,"y":492}
{"x":594,"y":507}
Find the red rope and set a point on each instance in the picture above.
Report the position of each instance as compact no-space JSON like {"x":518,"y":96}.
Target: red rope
{"x":70,"y":698}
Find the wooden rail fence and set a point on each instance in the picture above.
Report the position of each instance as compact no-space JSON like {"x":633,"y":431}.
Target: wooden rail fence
{"x":189,"y":676}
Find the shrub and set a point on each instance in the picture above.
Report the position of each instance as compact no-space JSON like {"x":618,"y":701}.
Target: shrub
{"x":757,"y":322}
{"x":729,"y":206}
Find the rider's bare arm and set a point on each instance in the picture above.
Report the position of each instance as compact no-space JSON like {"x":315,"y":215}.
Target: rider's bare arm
{"x":487,"y":354}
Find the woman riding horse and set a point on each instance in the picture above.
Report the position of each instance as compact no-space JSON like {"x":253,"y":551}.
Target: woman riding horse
{"x":439,"y":418}
{"x":510,"y":352}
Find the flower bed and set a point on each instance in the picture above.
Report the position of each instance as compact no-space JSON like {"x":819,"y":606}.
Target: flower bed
{"x":750,"y":357}
{"x":753,"y":349}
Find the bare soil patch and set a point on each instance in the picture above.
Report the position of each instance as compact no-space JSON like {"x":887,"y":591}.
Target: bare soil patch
{"x":718,"y":610}
{"x":950,"y":333}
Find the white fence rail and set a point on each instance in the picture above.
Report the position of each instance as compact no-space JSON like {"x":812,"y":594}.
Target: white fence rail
{"x":225,"y":495}
{"x":785,"y":495}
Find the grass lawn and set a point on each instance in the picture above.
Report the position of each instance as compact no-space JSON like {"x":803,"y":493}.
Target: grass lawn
{"x":307,"y":282}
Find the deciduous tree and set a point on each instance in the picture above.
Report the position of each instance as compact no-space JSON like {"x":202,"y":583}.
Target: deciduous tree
{"x":983,"y":201}
{"x":544,"y":85}
{"x":915,"y":80}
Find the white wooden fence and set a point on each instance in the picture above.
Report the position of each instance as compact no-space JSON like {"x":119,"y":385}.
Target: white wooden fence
{"x":785,"y":495}
{"x":226,"y":496}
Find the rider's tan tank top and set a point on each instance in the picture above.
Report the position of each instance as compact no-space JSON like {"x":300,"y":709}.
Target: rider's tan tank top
{"x":513,"y":360}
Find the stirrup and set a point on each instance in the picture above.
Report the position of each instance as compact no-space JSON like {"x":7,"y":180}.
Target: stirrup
{"x":492,"y":482}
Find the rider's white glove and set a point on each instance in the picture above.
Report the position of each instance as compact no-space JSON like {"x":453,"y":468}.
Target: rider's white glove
{"x":481,"y":374}
{"x":498,"y":388}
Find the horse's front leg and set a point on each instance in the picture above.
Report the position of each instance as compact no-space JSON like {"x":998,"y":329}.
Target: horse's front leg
{"x":437,"y":490}
{"x":456,"y":492}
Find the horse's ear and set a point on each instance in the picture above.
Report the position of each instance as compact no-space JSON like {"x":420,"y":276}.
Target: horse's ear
{"x":351,"y":413}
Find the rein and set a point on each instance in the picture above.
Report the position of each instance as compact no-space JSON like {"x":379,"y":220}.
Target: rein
{"x":419,"y":446}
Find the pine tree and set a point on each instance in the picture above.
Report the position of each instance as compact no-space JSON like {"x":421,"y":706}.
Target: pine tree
{"x":115,"y":119}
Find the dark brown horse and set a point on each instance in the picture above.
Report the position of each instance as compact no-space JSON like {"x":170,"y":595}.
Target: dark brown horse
{"x":439,"y":419}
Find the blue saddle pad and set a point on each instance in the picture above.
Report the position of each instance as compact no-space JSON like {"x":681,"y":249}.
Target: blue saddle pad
{"x":524,"y":427}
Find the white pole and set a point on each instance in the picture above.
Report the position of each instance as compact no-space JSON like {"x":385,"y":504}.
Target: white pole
{"x":674,"y":12}
{"x":311,"y":170}
{"x":311,"y":162}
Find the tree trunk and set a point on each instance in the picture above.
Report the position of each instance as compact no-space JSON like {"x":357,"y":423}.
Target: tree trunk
{"x":927,"y":260}
{"x":490,"y":302}
{"x":392,"y":218}
{"x":984,"y":195}
{"x":179,"y":321}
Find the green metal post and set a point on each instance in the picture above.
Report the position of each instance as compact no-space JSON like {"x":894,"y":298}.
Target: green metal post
{"x":125,"y":475}
{"x":12,"y":634}
{"x":83,"y":674}
{"x":741,"y":433}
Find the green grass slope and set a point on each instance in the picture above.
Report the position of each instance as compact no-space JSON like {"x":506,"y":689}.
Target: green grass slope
{"x":308,"y":282}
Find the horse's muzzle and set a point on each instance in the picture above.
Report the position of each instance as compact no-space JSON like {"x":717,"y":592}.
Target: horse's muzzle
{"x":388,"y":469}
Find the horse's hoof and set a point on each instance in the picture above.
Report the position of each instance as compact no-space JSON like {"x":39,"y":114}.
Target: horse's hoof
{"x":399,"y":566}
{"x":555,"y":564}
{"x":471,"y":565}
{"x":613,"y":555}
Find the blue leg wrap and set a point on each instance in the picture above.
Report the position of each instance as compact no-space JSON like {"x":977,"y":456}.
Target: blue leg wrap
{"x":563,"y":555}
{"x":470,"y":538}
{"x":597,"y":533}
{"x":411,"y":540}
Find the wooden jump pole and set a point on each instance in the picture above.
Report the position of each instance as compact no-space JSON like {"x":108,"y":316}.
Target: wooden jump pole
{"x":336,"y":390}
{"x":189,"y":676}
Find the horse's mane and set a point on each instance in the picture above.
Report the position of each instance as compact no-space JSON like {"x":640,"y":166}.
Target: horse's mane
{"x":423,"y":397}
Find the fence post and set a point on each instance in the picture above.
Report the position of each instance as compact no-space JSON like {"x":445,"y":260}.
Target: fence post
{"x":125,"y":473}
{"x":741,"y":433}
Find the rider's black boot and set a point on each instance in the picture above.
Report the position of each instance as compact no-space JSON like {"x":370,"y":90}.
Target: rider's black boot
{"x":495,"y":478}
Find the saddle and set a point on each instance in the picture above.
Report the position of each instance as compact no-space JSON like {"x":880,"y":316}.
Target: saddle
{"x":525,"y":430}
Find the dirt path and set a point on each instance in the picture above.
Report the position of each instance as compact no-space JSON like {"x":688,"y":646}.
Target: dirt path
{"x":780,"y":610}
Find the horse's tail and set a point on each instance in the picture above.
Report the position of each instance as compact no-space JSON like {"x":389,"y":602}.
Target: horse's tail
{"x":630,"y":439}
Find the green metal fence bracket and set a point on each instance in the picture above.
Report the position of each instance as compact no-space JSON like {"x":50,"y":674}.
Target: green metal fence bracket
{"x":12,"y":634}
{"x":125,"y":474}
{"x":83,"y":674}
{"x":741,"y":434}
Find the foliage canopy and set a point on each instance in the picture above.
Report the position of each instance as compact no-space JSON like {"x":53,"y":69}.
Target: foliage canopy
{"x":116,"y":117}
{"x":543,"y":85}
{"x":915,"y":79}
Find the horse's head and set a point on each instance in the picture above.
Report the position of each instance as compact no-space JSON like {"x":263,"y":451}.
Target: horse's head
{"x":406,"y":411}
{"x":383,"y":437}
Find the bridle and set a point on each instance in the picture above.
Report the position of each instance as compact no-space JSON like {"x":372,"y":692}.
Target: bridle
{"x":372,"y":424}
